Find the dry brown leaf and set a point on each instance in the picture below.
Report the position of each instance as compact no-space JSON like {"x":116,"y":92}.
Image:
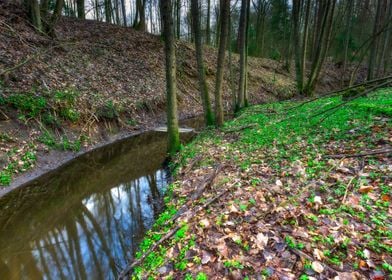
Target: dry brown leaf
{"x":366,"y":189}
{"x":261,"y":241}
{"x":317,"y":266}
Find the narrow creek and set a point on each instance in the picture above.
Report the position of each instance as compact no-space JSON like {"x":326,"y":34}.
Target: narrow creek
{"x":85,"y":220}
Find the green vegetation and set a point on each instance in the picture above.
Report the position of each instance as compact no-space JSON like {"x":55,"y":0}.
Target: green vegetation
{"x":290,"y":146}
{"x":20,"y":161}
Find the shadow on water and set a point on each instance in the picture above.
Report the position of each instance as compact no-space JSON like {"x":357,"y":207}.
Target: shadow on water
{"x":86,"y":219}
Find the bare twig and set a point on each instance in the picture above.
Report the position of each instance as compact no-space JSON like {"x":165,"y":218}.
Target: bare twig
{"x":306,"y":256}
{"x":347,"y":189}
{"x":4,"y":115}
{"x":364,"y":154}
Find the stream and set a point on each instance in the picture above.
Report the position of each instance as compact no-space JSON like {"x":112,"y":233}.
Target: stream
{"x":85,"y":220}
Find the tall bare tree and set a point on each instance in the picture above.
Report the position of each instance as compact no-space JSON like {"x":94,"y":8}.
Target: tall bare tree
{"x":224,"y":30}
{"x":171,"y":89}
{"x":242,"y":48}
{"x":208,"y":115}
{"x":80,"y":8}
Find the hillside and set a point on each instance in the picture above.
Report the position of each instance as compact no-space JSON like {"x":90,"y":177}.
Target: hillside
{"x":96,"y":81}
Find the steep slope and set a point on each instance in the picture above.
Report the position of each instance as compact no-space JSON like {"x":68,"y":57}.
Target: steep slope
{"x":96,"y":80}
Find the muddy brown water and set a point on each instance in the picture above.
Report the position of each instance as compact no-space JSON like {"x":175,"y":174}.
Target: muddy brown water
{"x":85,"y":220}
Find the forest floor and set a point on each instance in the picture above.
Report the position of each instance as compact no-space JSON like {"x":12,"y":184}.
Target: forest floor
{"x":283,"y":191}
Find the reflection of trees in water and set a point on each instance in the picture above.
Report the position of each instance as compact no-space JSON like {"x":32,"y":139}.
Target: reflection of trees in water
{"x":96,"y":237}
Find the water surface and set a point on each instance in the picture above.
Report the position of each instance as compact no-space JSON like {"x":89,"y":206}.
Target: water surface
{"x":86,"y":219}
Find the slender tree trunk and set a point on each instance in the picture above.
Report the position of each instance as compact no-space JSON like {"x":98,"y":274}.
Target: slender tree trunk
{"x":80,"y":8}
{"x":387,"y":43}
{"x":350,"y":9}
{"x":116,"y":12}
{"x":242,"y":51}
{"x":171,"y":89}
{"x":44,"y":10}
{"x":384,"y":39}
{"x":246,"y":92}
{"x":178,"y":19}
{"x":55,"y":17}
{"x":224,"y":15}
{"x":230,"y":49}
{"x":208,"y":115}
{"x":140,"y":19}
{"x":124,"y":12}
{"x":35,"y":14}
{"x":297,"y":45}
{"x":375,"y":42}
{"x":321,"y":53}
{"x":208,"y":27}
{"x":108,"y":12}
{"x":97,"y":10}
{"x":305,"y":42}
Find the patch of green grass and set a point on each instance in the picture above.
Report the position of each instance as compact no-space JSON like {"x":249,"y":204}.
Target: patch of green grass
{"x":5,"y":178}
{"x":28,"y":104}
{"x":64,"y":143}
{"x":233,"y":264}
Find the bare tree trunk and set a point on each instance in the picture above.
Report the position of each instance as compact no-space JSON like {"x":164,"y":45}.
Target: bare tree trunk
{"x":246,"y":92}
{"x":97,"y":10}
{"x":208,"y":115}
{"x":350,"y":10}
{"x":323,"y":45}
{"x":44,"y":10}
{"x":242,"y":50}
{"x":116,"y":12}
{"x":178,"y":19}
{"x":108,"y":12}
{"x":80,"y":8}
{"x":35,"y":14}
{"x":387,"y":43}
{"x":140,"y":19}
{"x":375,"y":42}
{"x":55,"y":17}
{"x":171,"y":89}
{"x":305,"y":43}
{"x":224,"y":15}
{"x":208,"y":23}
{"x":297,"y":45}
{"x":124,"y":12}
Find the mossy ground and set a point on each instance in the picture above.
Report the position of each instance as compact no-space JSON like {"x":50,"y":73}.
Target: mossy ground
{"x":286,"y":210}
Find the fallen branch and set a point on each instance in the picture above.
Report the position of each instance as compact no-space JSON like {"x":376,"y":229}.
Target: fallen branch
{"x":334,"y":108}
{"x":4,"y":115}
{"x":191,"y":164}
{"x":306,"y":256}
{"x":340,"y":91}
{"x":129,"y":268}
{"x":196,"y":195}
{"x":206,"y":182}
{"x":370,"y":153}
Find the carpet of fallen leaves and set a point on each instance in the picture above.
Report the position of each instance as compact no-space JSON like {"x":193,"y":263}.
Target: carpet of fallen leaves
{"x":290,"y":201}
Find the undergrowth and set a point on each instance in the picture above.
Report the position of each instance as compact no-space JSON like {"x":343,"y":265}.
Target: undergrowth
{"x":282,"y":135}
